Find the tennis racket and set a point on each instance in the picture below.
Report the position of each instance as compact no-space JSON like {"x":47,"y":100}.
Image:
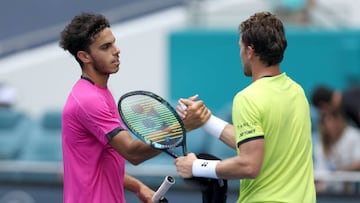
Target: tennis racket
{"x":153,"y":120}
{"x":159,"y":196}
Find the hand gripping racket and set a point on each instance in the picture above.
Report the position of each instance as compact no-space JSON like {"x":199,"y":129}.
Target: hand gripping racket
{"x":153,"y":120}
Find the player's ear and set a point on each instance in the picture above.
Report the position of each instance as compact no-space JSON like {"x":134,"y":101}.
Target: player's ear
{"x":250,"y":51}
{"x":84,"y":56}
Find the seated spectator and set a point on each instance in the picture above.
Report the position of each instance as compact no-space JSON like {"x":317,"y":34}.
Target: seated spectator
{"x":337,"y":150}
{"x":327,"y":100}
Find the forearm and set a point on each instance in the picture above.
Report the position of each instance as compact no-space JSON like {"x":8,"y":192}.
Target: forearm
{"x":355,"y":166}
{"x":139,"y":152}
{"x":132,"y":184}
{"x":246,"y":165}
{"x":228,"y":136}
{"x":221,"y":130}
{"x":142,"y":191}
{"x":245,"y":168}
{"x":133,"y":150}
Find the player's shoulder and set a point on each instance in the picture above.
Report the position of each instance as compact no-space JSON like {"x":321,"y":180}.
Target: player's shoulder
{"x":86,"y":93}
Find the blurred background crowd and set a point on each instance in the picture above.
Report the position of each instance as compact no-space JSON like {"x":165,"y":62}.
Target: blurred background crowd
{"x":165,"y":39}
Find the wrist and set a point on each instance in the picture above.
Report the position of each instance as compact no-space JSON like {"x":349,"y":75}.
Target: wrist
{"x":214,"y":126}
{"x":205,"y":168}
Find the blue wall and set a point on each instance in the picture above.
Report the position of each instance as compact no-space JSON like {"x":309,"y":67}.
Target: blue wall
{"x":207,"y":62}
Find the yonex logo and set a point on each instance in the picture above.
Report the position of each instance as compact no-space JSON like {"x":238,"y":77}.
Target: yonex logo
{"x":204,"y":164}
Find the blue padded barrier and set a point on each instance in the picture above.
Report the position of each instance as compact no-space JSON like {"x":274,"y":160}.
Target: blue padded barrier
{"x":45,"y":139}
{"x":43,"y":148}
{"x":14,"y":127}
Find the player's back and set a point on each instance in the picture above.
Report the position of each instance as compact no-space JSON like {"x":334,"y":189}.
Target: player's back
{"x":280,"y":110}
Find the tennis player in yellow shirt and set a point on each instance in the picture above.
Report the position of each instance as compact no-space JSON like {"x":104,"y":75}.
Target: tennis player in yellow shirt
{"x":271,"y":128}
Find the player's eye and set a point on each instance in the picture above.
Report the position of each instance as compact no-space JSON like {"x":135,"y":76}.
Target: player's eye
{"x":105,"y":46}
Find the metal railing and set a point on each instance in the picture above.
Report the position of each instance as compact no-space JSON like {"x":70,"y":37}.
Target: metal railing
{"x":55,"y":170}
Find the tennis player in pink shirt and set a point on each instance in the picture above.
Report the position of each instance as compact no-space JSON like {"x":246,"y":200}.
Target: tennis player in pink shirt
{"x":95,"y":143}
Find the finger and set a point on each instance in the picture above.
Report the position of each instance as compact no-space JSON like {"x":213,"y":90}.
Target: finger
{"x":181,"y":105}
{"x":203,"y":109}
{"x":191,"y":155}
{"x":183,"y":173}
{"x":207,"y":113}
{"x":180,"y":112}
{"x":176,"y":161}
{"x":194,"y":98}
{"x":198,"y":105}
{"x":187,"y":102}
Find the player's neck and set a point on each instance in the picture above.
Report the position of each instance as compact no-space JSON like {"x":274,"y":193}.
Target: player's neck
{"x":97,"y":79}
{"x":262,"y":71}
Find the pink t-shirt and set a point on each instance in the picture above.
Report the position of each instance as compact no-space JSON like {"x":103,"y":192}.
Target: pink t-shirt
{"x":93,"y":170}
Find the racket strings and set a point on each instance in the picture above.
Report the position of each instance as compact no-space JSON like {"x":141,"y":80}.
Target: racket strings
{"x":163,"y":135}
{"x":149,"y":125}
{"x":164,"y":119}
{"x":165,"y":139}
{"x":173,"y":132}
{"x":152,"y":119}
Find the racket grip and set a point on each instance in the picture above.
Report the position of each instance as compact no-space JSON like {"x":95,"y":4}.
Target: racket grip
{"x":159,"y":194}
{"x":171,"y":153}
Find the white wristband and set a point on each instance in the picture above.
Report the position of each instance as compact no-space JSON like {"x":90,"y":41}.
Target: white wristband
{"x":214,"y":126}
{"x":205,"y":168}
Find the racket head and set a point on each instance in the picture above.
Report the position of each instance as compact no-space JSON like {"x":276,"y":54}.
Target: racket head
{"x":152,"y":119}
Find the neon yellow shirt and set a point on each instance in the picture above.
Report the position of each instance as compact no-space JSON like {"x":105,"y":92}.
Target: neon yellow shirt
{"x":276,"y":109}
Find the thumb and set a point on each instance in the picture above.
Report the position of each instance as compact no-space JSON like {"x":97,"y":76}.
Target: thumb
{"x":186,"y":102}
{"x":190,"y":100}
{"x":194,"y":98}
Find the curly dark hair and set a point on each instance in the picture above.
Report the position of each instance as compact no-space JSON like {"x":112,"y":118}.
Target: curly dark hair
{"x":81,"y":31}
{"x":265,"y":33}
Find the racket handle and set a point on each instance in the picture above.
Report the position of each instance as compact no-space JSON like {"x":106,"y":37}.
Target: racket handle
{"x":171,"y":153}
{"x":159,"y":194}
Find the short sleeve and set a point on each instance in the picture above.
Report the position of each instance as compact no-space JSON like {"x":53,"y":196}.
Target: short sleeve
{"x":246,"y":119}
{"x":100,"y":119}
